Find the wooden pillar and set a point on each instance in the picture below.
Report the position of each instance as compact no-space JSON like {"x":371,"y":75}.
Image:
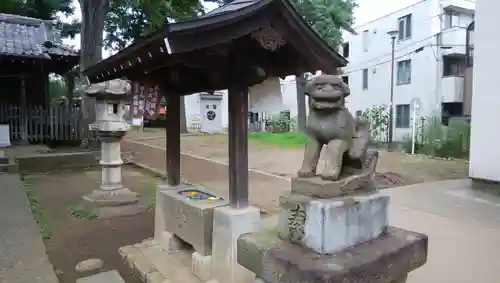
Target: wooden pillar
{"x":173,"y":139}
{"x":23,"y":112}
{"x":238,"y":145}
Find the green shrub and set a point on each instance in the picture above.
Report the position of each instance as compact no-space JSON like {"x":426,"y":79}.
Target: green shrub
{"x":441,"y":141}
{"x":279,"y":123}
{"x":378,"y":118}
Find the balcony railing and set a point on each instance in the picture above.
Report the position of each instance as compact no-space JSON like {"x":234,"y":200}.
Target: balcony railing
{"x":454,"y":40}
{"x":452,"y":89}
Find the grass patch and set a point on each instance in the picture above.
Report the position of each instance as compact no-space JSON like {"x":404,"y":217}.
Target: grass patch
{"x":36,"y":211}
{"x":149,"y":194}
{"x":288,"y":139}
{"x":83,"y":213}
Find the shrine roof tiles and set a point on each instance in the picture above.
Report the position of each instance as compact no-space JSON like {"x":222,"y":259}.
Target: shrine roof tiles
{"x":231,"y":6}
{"x":30,"y":37}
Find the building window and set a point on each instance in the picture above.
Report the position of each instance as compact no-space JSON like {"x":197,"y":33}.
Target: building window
{"x":451,"y":19}
{"x":345,"y":50}
{"x":403,"y":116}
{"x":404,"y":72}
{"x":404,"y":27}
{"x":365,"y":78}
{"x":345,"y":79}
{"x":366,"y":40}
{"x":453,"y":66}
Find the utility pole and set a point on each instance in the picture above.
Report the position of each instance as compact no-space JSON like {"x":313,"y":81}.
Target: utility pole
{"x":393,"y":34}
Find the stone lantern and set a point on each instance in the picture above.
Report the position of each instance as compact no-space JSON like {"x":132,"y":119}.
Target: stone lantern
{"x":110,"y":127}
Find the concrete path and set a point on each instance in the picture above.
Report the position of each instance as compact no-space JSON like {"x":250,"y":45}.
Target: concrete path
{"x":463,"y":228}
{"x":22,"y":253}
{"x":463,"y":225}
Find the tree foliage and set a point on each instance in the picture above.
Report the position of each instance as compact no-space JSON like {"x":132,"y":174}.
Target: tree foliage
{"x":327,"y":17}
{"x":130,"y":20}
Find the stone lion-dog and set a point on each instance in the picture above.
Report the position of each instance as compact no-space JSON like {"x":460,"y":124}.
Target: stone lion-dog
{"x":330,"y":123}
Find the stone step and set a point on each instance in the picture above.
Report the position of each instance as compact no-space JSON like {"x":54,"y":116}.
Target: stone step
{"x":155,"y":265}
{"x":104,"y":277}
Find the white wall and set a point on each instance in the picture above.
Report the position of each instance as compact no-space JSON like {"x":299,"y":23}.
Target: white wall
{"x":484,"y":153}
{"x":193,"y":110}
{"x":288,"y":89}
{"x":426,"y":70}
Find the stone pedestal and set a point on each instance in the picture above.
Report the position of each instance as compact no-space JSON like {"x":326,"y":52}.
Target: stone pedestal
{"x":331,"y":225}
{"x":386,"y":259}
{"x":333,"y":232}
{"x":229,"y":225}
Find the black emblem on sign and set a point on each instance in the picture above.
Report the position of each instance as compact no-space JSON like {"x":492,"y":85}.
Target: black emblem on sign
{"x":211,"y":115}
{"x":214,"y":107}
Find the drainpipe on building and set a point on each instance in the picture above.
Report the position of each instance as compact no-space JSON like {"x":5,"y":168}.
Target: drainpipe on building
{"x":439,"y":77}
{"x":439,"y":62}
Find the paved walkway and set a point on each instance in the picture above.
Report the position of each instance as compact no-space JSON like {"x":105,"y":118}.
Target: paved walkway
{"x":22,"y":253}
{"x":264,"y":188}
{"x":463,"y":228}
{"x":463,"y":225}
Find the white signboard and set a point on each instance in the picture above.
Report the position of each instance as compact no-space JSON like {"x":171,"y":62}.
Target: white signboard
{"x":4,"y":135}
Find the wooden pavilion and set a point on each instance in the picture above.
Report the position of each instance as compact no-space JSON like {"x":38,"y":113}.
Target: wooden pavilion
{"x":233,"y":47}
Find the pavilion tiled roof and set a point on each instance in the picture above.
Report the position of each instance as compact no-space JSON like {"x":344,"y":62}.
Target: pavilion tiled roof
{"x":29,"y":37}
{"x":231,"y":6}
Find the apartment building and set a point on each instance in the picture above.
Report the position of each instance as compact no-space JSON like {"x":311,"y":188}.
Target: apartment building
{"x":430,"y":61}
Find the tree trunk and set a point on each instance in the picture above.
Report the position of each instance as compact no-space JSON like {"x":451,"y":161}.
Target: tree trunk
{"x":182,"y":110}
{"x":91,"y":52}
{"x":301,"y":102}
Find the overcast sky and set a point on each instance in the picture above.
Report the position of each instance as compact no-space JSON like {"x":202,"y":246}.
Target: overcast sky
{"x":368,"y":10}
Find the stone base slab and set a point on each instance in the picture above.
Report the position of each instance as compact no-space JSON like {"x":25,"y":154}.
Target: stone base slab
{"x":387,"y":259}
{"x":319,"y":188}
{"x":112,"y":198}
{"x":328,"y":226}
{"x":109,"y":277}
{"x":155,"y":265}
{"x":229,"y":224}
{"x":201,"y":266}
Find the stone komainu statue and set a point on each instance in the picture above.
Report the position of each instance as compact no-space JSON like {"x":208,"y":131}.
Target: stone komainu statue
{"x":330,"y":123}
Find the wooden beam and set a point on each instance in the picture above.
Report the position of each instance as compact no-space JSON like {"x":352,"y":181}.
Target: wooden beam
{"x":173,"y":139}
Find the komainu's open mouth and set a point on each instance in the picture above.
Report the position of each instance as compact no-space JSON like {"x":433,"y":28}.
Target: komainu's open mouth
{"x":326,"y":102}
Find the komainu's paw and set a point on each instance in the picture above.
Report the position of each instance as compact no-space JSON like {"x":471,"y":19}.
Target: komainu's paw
{"x":306,"y":174}
{"x":331,"y":176}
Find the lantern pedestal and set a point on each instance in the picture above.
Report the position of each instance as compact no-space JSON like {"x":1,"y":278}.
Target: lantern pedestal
{"x":111,"y":191}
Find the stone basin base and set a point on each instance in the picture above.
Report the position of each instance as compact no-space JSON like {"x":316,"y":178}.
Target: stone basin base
{"x":187,"y":216}
{"x":387,"y":259}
